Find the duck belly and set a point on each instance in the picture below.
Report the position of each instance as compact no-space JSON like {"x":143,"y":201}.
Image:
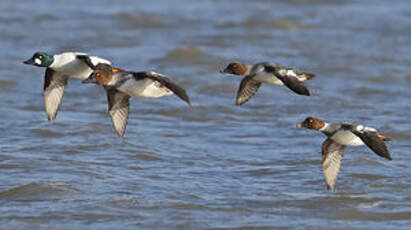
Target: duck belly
{"x":347,"y":138}
{"x":268,"y":78}
{"x":144,"y":89}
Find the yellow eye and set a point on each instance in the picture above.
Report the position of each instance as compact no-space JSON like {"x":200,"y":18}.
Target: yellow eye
{"x":98,"y":75}
{"x":40,"y":57}
{"x":311,"y":120}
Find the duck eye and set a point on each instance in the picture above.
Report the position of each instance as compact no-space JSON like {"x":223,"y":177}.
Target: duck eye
{"x":40,"y":57}
{"x":98,"y":75}
{"x":311,"y":120}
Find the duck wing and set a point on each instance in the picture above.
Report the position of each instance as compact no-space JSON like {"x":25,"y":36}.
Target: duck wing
{"x":86,"y":59}
{"x":163,"y":80}
{"x":248,"y":87}
{"x":94,"y":61}
{"x":332,"y":155}
{"x":371,"y":138}
{"x":118,"y":108}
{"x":290,"y":79}
{"x":54,"y":86}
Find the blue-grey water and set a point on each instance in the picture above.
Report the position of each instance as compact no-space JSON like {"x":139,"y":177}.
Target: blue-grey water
{"x":214,"y":165}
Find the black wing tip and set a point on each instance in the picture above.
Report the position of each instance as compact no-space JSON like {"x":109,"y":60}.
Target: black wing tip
{"x":383,"y":154}
{"x":176,"y":89}
{"x":304,"y":92}
{"x":51,"y":118}
{"x":240,"y":103}
{"x":181,"y":93}
{"x":120,"y":133}
{"x":185,"y":98}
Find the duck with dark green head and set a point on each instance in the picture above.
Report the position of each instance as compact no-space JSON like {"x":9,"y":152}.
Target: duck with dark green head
{"x":59,"y":68}
{"x":40,"y":59}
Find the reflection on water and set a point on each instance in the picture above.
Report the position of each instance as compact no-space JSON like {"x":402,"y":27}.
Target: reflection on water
{"x":215,"y":165}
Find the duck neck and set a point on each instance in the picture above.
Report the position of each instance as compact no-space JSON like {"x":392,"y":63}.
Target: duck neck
{"x":247,"y":69}
{"x":326,"y":129}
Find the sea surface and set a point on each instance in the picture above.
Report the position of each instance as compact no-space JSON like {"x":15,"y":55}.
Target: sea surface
{"x":214,"y":165}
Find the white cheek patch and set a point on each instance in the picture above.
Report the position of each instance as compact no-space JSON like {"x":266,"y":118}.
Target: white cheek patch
{"x":37,"y":61}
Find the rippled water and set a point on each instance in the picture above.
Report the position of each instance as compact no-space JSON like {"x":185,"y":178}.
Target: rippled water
{"x":215,"y":165}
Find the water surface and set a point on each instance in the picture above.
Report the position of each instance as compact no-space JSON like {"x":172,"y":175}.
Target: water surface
{"x":215,"y":165}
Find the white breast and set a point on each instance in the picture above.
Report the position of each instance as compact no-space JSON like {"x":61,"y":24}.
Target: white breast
{"x":347,"y":138}
{"x":144,"y":89}
{"x":68,"y":64}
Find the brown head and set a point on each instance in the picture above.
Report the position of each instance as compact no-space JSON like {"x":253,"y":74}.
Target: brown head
{"x":312,"y":123}
{"x":101,"y":75}
{"x":236,"y":68}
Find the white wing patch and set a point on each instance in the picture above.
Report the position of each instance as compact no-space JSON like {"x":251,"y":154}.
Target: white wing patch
{"x":96,"y":60}
{"x":282,"y":72}
{"x":361,"y":128}
{"x":291,"y":73}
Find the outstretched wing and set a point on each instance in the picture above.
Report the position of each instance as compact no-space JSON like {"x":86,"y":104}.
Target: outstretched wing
{"x":54,"y":86}
{"x":248,"y":87}
{"x":180,"y":92}
{"x":292,"y":82}
{"x":118,"y":107}
{"x":332,"y":153}
{"x":371,"y":138}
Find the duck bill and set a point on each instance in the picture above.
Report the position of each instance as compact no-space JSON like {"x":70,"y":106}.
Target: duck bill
{"x":299,"y":126}
{"x":29,"y":62}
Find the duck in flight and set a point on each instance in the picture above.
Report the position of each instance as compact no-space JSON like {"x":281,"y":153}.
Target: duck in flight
{"x":269,"y":73}
{"x":339,"y":136}
{"x":120,"y":85}
{"x":59,"y":68}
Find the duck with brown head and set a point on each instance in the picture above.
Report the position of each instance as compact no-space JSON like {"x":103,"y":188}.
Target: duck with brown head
{"x":237,"y":68}
{"x":340,"y":135}
{"x":120,"y":85}
{"x":102,"y":75}
{"x":269,"y":73}
{"x":312,"y":123}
